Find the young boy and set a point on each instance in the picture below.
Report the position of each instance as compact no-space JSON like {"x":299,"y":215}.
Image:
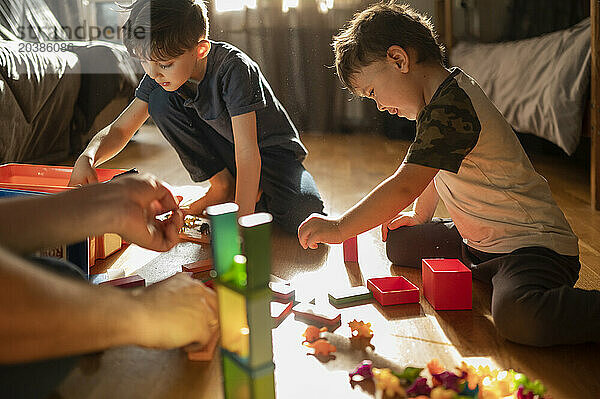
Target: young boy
{"x":505,"y":223}
{"x":214,"y":106}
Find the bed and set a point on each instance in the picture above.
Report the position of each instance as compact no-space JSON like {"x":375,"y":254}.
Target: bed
{"x":561,"y":103}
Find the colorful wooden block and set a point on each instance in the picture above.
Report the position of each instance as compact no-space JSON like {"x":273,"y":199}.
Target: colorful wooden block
{"x":256,"y":235}
{"x":126,"y":282}
{"x":318,"y":316}
{"x":351,"y":250}
{"x":279,"y":311}
{"x":245,"y":324}
{"x":225,"y":236}
{"x":206,"y":354}
{"x":394,"y":290}
{"x":196,"y":229}
{"x":447,"y":284}
{"x":282,"y":292}
{"x":349,"y":295}
{"x":200,"y":266}
{"x":242,"y":382}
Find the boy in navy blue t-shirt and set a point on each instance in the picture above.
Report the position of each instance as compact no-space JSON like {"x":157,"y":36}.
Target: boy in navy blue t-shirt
{"x":214,"y":106}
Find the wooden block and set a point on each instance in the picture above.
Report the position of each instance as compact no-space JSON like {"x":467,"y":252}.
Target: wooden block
{"x":393,"y":290}
{"x":282,"y":292}
{"x":316,"y":316}
{"x":447,"y":284}
{"x":349,"y":295}
{"x":107,"y":245}
{"x":351,"y":250}
{"x":198,"y":266}
{"x":279,"y":311}
{"x":207,"y":353}
{"x":126,"y":282}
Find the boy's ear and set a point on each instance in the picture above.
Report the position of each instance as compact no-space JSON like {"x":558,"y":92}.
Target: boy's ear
{"x":203,"y":48}
{"x":399,"y":56}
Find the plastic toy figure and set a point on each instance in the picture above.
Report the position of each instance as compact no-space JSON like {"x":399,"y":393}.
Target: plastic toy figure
{"x":321,"y":347}
{"x":363,"y":370}
{"x":388,"y":382}
{"x":313,"y":333}
{"x":360,"y":329}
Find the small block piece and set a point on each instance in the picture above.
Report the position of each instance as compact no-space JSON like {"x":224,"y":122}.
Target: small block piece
{"x":360,"y":329}
{"x":282,"y":292}
{"x":198,"y":267}
{"x":126,"y":282}
{"x":447,"y":284}
{"x":107,"y":245}
{"x":207,"y":353}
{"x":279,"y":311}
{"x":351,"y":250}
{"x":314,"y":315}
{"x":394,"y":290}
{"x":349,"y":295}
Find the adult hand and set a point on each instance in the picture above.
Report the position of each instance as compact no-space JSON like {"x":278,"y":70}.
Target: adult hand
{"x":402,"y":219}
{"x":178,"y":311}
{"x":137,"y":200}
{"x":83,"y":172}
{"x":319,"y":229}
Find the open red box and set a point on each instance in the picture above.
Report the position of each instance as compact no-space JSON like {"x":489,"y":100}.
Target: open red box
{"x":447,"y":284}
{"x":394,"y":290}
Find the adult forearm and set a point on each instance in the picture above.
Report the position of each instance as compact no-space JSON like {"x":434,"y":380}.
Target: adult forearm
{"x":45,"y":315}
{"x":45,"y":221}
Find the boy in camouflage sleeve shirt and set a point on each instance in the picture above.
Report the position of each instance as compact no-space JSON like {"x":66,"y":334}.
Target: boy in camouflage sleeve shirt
{"x":504,"y":224}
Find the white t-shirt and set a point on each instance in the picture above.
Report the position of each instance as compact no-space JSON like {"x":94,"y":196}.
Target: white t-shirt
{"x":496,"y":199}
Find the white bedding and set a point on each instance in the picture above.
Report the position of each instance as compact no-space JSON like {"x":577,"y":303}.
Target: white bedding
{"x":539,"y":84}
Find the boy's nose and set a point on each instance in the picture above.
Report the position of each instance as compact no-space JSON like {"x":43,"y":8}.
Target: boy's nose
{"x":153,"y":71}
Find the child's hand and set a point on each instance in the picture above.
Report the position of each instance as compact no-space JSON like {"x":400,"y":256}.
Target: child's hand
{"x":402,"y":219}
{"x":83,"y":172}
{"x":316,"y":229}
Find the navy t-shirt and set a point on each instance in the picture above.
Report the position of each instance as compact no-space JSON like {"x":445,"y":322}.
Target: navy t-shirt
{"x":234,"y":85}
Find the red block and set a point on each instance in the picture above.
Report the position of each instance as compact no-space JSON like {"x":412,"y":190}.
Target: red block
{"x":351,"y":250}
{"x":199,"y":266}
{"x":447,"y":284}
{"x":126,"y":282}
{"x":394,"y":290}
{"x":313,"y":315}
{"x":279,"y":311}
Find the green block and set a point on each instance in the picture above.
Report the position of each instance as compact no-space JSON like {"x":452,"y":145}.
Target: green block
{"x":256,"y":236}
{"x":237,"y":274}
{"x":350,"y":295}
{"x":225,"y":235}
{"x":245,"y":318}
{"x":243,"y":383}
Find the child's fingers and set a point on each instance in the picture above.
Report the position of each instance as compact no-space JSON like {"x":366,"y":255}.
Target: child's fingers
{"x":384,"y":231}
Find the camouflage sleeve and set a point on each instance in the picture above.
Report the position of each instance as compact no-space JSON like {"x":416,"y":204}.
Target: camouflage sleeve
{"x":447,"y":130}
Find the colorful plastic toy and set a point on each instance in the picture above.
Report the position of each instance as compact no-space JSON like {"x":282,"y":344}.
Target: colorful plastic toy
{"x":321,"y":347}
{"x":447,"y":284}
{"x":360,"y":329}
{"x":363,"y":371}
{"x":313,"y":333}
{"x":388,"y":382}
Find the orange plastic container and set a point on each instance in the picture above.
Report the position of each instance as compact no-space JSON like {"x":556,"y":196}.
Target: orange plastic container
{"x":44,"y":178}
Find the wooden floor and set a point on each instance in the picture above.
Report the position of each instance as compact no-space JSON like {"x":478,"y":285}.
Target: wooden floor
{"x":346,"y":167}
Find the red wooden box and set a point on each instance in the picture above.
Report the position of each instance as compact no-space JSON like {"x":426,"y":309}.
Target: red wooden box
{"x":447,"y":284}
{"x":393,"y":290}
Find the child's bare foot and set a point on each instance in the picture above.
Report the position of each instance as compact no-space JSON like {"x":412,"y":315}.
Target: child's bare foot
{"x":222,"y":189}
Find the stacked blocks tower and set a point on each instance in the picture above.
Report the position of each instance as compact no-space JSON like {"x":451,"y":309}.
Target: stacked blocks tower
{"x":447,"y":284}
{"x":242,"y":286}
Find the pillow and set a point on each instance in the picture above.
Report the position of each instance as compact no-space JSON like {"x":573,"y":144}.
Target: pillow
{"x":539,"y":84}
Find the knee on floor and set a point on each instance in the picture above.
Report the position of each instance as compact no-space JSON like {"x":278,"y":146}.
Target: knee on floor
{"x":519,"y":320}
